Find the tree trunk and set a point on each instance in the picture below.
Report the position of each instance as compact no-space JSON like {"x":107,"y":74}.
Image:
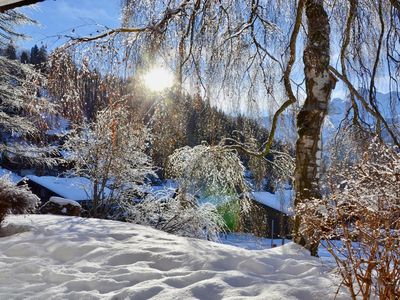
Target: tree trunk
{"x":319,"y":85}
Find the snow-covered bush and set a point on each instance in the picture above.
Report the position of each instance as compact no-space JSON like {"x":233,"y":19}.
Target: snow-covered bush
{"x":359,"y":222}
{"x":15,"y":199}
{"x":216,"y":175}
{"x":111,"y":153}
{"x":200,"y":171}
{"x":209,"y":170}
{"x":180,"y":215}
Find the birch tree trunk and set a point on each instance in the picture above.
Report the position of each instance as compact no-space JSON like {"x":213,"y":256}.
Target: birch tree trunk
{"x":319,"y":85}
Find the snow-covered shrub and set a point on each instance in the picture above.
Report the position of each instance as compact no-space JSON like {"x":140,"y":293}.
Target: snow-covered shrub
{"x":209,"y":170}
{"x":216,"y":175}
{"x":15,"y":199}
{"x":359,"y":222}
{"x":111,"y":153}
{"x":180,"y":215}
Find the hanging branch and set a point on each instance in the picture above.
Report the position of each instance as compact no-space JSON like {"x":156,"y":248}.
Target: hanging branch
{"x":286,"y":78}
{"x":346,"y":40}
{"x":375,"y":113}
{"x":159,"y":27}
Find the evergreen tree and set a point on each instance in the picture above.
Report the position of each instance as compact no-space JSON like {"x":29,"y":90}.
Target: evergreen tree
{"x":24,"y":58}
{"x":42,"y":55}
{"x":38,"y":57}
{"x":34,"y":55}
{"x":10,"y":52}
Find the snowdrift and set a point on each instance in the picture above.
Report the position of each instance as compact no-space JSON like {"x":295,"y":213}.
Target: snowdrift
{"x":54,"y":257}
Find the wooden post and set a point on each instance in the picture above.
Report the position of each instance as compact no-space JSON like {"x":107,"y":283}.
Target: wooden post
{"x":272,"y":233}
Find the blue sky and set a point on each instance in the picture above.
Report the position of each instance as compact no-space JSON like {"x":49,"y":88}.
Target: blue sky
{"x":60,"y":17}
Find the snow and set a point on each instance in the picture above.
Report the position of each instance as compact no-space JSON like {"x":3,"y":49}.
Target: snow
{"x":249,"y":241}
{"x":280,"y":201}
{"x":62,"y":201}
{"x":74,"y":188}
{"x":166,"y":189}
{"x":77,"y":258}
{"x":14,"y":178}
{"x":58,"y":125}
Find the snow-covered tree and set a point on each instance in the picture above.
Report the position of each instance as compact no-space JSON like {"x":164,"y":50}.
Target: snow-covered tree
{"x":21,"y":111}
{"x":111,"y":152}
{"x":211,"y":176}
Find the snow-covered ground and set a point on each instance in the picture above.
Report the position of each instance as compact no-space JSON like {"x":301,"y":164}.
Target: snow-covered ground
{"x":250,"y":242}
{"x":75,"y":258}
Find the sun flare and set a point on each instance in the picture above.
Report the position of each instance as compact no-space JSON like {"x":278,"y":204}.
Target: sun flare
{"x":158,"y":79}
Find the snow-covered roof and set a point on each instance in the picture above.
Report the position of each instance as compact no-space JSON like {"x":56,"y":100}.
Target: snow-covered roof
{"x":11,"y":175}
{"x":280,"y":201}
{"x":74,"y":188}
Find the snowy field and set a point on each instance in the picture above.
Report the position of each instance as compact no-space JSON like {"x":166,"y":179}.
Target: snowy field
{"x":74,"y":258}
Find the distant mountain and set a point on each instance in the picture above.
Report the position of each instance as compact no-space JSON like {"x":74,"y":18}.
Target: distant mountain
{"x":388,"y":105}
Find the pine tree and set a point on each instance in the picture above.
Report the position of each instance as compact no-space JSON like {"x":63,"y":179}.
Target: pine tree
{"x":42,"y":55}
{"x":24,"y":58}
{"x":34,"y":55}
{"x":10,"y":52}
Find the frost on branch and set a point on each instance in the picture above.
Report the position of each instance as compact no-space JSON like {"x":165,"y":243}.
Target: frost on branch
{"x":21,"y":113}
{"x":111,"y":153}
{"x":359,"y":222}
{"x":215,"y":170}
{"x":212,"y":172}
{"x":15,"y":199}
{"x":180,"y":215}
{"x":202,"y":170}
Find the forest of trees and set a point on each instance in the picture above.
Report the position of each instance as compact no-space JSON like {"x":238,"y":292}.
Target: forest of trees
{"x":36,"y":56}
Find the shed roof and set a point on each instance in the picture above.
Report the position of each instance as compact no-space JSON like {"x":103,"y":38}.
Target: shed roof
{"x":280,"y":201}
{"x":74,"y":188}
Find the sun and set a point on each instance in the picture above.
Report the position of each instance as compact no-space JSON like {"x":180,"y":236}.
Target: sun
{"x":158,"y":79}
